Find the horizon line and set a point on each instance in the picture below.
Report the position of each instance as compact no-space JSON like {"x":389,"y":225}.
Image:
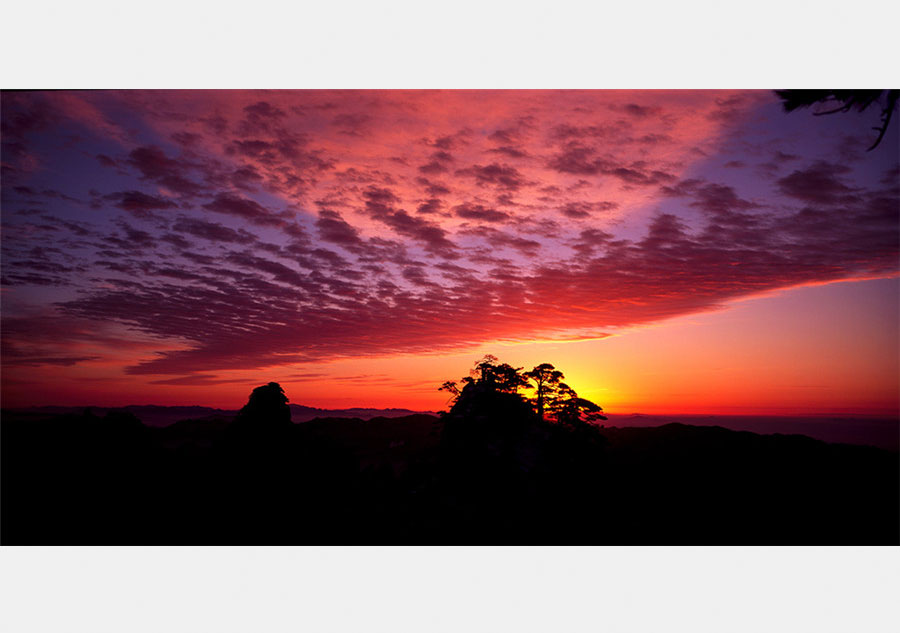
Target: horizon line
{"x":887,"y":415}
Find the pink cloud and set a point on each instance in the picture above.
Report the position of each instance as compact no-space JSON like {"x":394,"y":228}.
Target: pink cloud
{"x":267,"y":228}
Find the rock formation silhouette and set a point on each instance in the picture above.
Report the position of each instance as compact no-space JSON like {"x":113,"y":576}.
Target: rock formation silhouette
{"x":267,"y":408}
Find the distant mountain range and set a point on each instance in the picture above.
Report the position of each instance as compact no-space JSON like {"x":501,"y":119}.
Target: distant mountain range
{"x":880,"y":432}
{"x":158,"y":416}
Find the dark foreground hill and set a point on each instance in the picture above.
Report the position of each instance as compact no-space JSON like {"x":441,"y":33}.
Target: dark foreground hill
{"x":488,"y":472}
{"x":158,"y":416}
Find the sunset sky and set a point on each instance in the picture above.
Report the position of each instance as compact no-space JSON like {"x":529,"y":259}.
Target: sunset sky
{"x":670,"y":251}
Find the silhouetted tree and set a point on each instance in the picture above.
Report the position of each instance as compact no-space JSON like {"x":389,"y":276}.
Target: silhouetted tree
{"x":500,"y":376}
{"x":484,"y":369}
{"x":452,"y":388}
{"x":546,"y":380}
{"x":573,"y":410}
{"x":489,"y":376}
{"x":508,"y":378}
{"x":844,"y":101}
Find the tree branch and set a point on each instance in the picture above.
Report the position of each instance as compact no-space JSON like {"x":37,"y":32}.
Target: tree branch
{"x":886,"y":115}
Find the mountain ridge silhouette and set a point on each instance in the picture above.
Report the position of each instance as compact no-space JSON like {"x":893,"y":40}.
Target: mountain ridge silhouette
{"x":164,"y":415}
{"x":489,"y":471}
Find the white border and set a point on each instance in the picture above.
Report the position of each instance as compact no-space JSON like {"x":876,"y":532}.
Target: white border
{"x":521,"y":589}
{"x":462,"y":44}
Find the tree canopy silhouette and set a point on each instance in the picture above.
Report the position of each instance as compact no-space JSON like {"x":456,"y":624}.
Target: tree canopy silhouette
{"x":546,"y":380}
{"x":572,"y":410}
{"x":844,"y":101}
{"x":551,"y":395}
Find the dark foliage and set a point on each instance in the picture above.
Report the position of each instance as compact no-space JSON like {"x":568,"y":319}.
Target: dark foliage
{"x":834,"y":101}
{"x":490,"y":471}
{"x":550,"y":393}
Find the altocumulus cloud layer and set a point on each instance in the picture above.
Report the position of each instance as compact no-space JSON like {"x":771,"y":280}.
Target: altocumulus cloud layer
{"x":183,"y":233}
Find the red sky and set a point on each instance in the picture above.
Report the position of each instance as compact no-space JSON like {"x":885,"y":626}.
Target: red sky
{"x":670,"y":251}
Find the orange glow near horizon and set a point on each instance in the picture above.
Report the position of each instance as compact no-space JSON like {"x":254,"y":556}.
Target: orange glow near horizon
{"x":784,"y":354}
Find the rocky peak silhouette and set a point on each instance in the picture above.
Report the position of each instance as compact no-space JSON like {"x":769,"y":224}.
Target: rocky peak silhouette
{"x":267,"y":408}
